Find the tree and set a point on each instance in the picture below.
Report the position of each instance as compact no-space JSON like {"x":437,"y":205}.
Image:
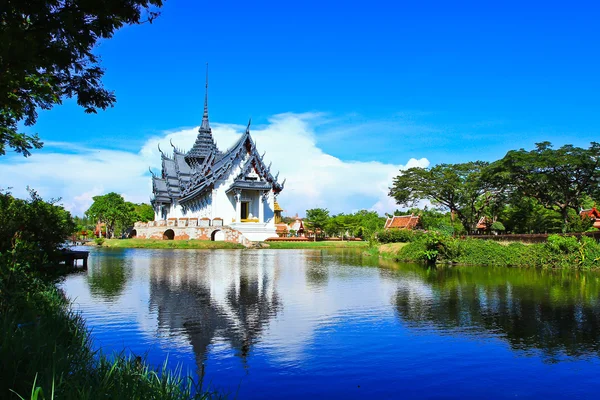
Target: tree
{"x":462,"y":188}
{"x":558,"y":179}
{"x":112,"y":210}
{"x":316,"y":219}
{"x":143,"y":212}
{"x":46,"y":55}
{"x":44,"y":224}
{"x":497,"y":227}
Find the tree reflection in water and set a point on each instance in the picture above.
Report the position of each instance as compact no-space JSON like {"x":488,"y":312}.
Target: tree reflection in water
{"x":210,"y":296}
{"x":556,"y":312}
{"x":107,"y":277}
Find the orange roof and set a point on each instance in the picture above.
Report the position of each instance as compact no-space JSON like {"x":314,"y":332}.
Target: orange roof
{"x":402,"y":222}
{"x":483,"y":223}
{"x":281,"y":228}
{"x":593,"y":214}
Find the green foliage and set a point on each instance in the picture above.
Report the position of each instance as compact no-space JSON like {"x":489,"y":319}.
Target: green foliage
{"x":498,"y":226}
{"x":558,"y":252}
{"x":397,"y":236}
{"x":99,"y":241}
{"x":463,"y":188}
{"x":558,"y":179}
{"x":316,"y":219}
{"x":45,"y":226}
{"x":112,"y":210}
{"x":46,"y":55}
{"x":143,"y":212}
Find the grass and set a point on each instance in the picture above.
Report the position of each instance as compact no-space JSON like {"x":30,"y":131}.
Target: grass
{"x":390,"y":250}
{"x":46,"y":351}
{"x":169,"y":244}
{"x":317,"y":245}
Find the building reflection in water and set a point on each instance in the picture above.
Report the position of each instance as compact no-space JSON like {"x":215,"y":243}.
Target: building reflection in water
{"x":555,"y":312}
{"x":222,"y":296}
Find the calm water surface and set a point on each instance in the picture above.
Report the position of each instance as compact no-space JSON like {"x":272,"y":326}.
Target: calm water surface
{"x":298,"y":323}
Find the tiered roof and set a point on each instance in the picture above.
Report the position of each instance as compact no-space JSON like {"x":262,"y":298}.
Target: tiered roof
{"x":189,"y":177}
{"x":402,"y":222}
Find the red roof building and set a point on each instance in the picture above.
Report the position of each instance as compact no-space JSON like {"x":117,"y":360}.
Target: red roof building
{"x":592,"y":214}
{"x":402,"y":222}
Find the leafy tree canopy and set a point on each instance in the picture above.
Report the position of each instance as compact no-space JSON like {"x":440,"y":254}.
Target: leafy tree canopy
{"x":462,"y":188}
{"x":316,"y":219}
{"x":44,"y":224}
{"x":46,"y":55}
{"x":112,"y":210}
{"x":143,"y":212}
{"x":559,"y":179}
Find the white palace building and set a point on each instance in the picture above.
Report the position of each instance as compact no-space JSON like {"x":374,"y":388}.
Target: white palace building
{"x":209,"y":194}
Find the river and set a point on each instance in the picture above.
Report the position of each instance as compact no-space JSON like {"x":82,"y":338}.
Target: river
{"x":335,"y":323}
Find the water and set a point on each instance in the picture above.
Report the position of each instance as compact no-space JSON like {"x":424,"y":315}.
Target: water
{"x":311,"y":323}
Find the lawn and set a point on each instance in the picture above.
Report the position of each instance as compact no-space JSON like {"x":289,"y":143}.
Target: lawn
{"x":169,"y":244}
{"x":390,"y":249}
{"x":317,"y":245}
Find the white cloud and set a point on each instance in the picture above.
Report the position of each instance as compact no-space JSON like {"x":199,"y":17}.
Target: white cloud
{"x":314,"y":178}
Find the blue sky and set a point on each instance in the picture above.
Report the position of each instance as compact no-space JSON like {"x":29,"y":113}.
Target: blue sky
{"x":389,"y":81}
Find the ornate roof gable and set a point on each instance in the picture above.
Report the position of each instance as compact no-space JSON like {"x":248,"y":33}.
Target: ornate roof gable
{"x":244,"y":145}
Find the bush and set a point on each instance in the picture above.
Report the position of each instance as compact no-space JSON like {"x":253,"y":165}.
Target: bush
{"x":99,"y":241}
{"x":397,"y":236}
{"x":558,"y":252}
{"x":43,"y":225}
{"x":498,"y":227}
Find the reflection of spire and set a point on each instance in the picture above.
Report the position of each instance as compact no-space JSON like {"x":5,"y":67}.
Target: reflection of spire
{"x":205,"y":126}
{"x":199,"y":308}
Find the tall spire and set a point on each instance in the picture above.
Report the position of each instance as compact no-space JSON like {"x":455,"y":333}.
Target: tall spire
{"x":205,"y":126}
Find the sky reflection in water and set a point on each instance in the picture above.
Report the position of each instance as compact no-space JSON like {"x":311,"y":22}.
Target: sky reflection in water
{"x":297,"y":323}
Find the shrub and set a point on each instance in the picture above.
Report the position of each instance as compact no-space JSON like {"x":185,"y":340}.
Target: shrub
{"x":99,"y":241}
{"x":558,"y":252}
{"x":44,"y":225}
{"x":397,"y":236}
{"x":498,"y":227}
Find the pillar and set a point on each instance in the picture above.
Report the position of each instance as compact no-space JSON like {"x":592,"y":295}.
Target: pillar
{"x":261,"y":207}
{"x":238,"y":206}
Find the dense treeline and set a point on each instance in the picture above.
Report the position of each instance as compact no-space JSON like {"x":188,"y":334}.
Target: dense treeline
{"x":536,"y":191}
{"x":361,"y":224}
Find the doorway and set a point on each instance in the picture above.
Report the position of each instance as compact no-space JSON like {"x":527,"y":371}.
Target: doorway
{"x":244,"y":210}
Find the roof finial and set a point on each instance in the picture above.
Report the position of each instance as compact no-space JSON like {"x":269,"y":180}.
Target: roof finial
{"x":248,"y":127}
{"x":205,"y":126}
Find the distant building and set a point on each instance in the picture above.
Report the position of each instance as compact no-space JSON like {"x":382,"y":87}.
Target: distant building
{"x":205,"y":189}
{"x":483,"y":225}
{"x":298,"y":227}
{"x":593,"y":214}
{"x":403,"y":222}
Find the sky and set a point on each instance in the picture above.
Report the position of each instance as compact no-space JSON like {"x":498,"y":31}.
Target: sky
{"x":342,"y":96}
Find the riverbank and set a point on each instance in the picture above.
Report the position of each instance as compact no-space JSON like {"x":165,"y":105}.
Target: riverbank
{"x":168,"y":244}
{"x":558,"y":252}
{"x":46,"y":350}
{"x":205,"y":244}
{"x":318,"y":245}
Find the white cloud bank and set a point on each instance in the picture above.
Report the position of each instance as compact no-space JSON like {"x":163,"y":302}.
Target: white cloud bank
{"x":314,"y":178}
